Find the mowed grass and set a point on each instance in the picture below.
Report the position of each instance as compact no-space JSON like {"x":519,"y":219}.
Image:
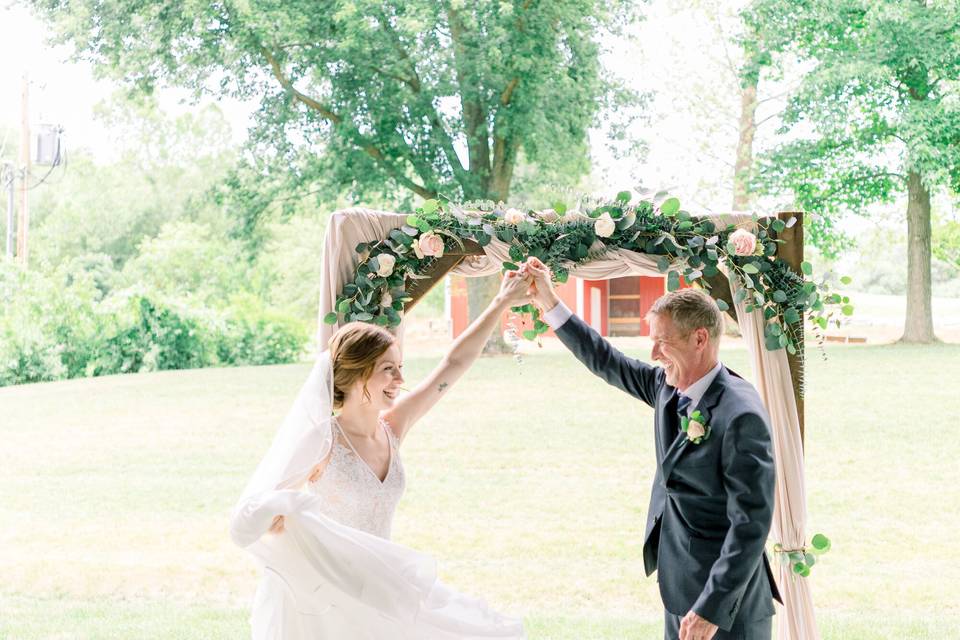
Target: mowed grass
{"x":528,"y":482}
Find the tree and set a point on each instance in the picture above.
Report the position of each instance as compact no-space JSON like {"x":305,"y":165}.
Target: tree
{"x":162,"y":169}
{"x":876,"y":115}
{"x":435,"y":98}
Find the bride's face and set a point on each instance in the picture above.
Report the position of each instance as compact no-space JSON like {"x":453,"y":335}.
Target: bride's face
{"x":384,"y":383}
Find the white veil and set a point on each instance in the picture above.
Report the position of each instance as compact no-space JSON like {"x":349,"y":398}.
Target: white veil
{"x":303,"y":440}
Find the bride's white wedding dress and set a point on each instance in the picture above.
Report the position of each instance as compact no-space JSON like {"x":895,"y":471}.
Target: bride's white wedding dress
{"x":334,"y":575}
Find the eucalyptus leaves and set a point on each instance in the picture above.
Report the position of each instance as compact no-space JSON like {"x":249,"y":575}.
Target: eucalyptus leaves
{"x":802,"y":560}
{"x":693,"y":249}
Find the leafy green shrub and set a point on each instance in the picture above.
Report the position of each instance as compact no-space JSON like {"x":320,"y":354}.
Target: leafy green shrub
{"x":251,"y":334}
{"x":145,"y":335}
{"x":29,"y":356}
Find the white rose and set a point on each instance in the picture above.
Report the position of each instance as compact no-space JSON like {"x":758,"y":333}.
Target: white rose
{"x":386,"y":299}
{"x":514,"y":216}
{"x":385,"y":263}
{"x":695,"y":430}
{"x":604,"y":226}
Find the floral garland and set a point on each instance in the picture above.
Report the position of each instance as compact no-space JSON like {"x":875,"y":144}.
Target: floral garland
{"x":684,"y":247}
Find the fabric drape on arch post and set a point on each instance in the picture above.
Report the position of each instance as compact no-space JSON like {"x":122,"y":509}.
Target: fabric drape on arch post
{"x":771,"y":371}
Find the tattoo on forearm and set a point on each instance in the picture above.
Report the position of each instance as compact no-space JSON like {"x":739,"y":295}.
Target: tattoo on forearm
{"x":443,"y":385}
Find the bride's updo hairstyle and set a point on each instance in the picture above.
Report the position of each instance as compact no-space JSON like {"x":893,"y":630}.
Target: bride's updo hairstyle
{"x":354,"y":350}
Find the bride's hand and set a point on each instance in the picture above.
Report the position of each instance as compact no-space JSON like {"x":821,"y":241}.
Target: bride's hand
{"x":514,"y":287}
{"x":277,"y":525}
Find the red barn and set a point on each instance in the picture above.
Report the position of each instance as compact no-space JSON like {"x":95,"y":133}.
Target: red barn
{"x":613,"y":307}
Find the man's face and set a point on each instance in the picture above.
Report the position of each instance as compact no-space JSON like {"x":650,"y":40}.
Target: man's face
{"x":679,"y":355}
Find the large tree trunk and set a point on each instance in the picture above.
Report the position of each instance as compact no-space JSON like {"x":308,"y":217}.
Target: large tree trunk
{"x":480,"y":291}
{"x":744,"y":163}
{"x":919,"y":322}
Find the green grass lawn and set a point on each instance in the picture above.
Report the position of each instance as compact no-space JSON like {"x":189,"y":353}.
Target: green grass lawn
{"x":528,"y":482}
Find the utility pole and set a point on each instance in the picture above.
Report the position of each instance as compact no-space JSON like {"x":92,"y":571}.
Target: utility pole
{"x":24,"y":221}
{"x":8,"y":177}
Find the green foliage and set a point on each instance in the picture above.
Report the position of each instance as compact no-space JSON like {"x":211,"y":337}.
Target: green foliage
{"x":46,"y":325}
{"x":60,"y":326}
{"x":876,"y":102}
{"x":163,"y":169}
{"x":946,"y":241}
{"x":146,"y":336}
{"x":189,"y":261}
{"x":372,"y":98}
{"x":255,"y":335}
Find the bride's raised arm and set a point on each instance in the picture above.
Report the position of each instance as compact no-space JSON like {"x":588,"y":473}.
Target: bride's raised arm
{"x":465,"y":349}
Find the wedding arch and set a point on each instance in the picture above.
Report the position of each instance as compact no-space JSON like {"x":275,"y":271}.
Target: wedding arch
{"x":378,"y":264}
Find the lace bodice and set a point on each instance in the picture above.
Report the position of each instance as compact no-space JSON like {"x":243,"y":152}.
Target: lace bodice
{"x":353,"y":494}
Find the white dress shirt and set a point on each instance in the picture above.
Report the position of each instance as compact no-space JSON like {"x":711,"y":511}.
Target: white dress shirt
{"x":696,"y":390}
{"x":557,"y":316}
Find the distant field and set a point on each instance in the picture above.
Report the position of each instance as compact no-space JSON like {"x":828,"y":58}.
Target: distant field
{"x":529,"y":483}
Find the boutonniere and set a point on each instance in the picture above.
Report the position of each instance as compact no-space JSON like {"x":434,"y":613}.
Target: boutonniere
{"x":695,"y":427}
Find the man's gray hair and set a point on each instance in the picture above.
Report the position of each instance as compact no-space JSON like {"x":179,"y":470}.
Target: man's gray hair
{"x":690,"y":309}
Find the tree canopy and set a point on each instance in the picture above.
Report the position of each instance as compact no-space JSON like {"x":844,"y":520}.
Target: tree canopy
{"x":437,"y":98}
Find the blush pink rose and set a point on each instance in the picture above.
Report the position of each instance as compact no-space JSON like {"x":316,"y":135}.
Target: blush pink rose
{"x":429,"y":244}
{"x":514,"y":216}
{"x":744,"y":242}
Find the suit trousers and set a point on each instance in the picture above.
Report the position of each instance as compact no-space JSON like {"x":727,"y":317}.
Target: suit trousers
{"x":757,"y":630}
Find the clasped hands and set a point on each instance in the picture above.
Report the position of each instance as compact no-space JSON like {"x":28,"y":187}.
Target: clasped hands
{"x":539,"y":285}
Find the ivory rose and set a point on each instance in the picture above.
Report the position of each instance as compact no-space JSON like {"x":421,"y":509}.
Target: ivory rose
{"x":385,"y":264}
{"x":604,"y":226}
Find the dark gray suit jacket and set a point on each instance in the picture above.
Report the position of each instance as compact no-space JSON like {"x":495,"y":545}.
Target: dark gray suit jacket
{"x":711,"y":503}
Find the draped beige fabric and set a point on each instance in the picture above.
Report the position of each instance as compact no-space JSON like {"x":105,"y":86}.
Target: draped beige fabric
{"x":796,"y":619}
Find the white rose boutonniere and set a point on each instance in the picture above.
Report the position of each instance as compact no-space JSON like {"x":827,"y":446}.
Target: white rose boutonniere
{"x":695,"y":427}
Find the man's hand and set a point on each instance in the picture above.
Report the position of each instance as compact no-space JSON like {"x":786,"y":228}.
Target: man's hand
{"x":542,"y":289}
{"x":693,"y":627}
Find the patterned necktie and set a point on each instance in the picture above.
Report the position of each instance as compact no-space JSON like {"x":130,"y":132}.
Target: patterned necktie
{"x":682,"y":405}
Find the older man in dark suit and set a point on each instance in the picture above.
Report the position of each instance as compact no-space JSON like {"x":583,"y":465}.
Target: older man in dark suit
{"x":712,"y":498}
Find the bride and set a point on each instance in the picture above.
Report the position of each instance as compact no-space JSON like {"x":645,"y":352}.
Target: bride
{"x":318,"y":510}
